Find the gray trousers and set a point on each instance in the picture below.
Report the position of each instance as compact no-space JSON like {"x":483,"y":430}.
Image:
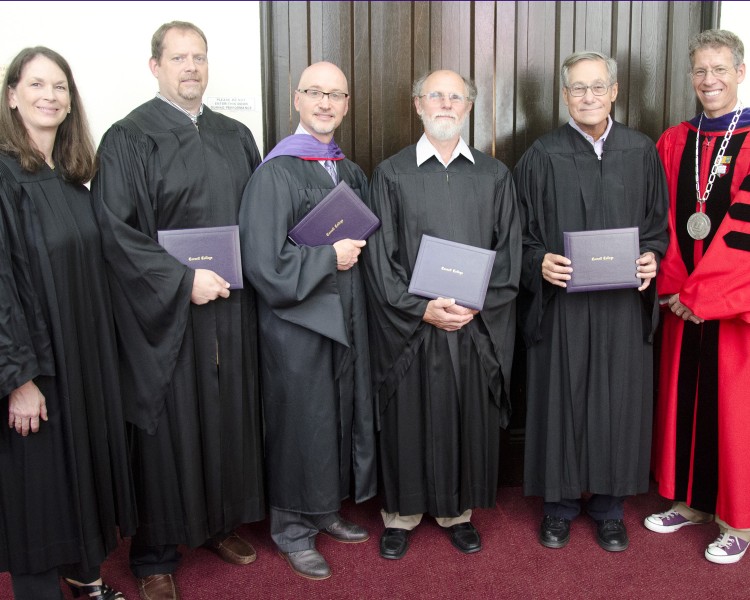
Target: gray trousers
{"x":295,"y":531}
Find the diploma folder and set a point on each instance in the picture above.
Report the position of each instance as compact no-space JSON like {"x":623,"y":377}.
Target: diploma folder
{"x":213,"y":248}
{"x":449,"y":269}
{"x":338,"y":216}
{"x":603,"y":259}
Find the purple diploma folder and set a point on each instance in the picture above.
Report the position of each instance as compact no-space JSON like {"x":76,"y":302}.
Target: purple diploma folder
{"x":213,"y":248}
{"x":338,"y":216}
{"x":603,"y":259}
{"x":446,"y":269}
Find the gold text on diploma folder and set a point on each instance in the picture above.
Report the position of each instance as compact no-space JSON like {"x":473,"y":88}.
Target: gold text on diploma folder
{"x":336,"y":226}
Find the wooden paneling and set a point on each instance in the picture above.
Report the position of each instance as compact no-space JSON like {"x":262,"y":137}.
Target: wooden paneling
{"x":512,"y":50}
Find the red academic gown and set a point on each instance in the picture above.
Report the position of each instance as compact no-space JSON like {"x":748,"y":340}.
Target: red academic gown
{"x":703,"y":411}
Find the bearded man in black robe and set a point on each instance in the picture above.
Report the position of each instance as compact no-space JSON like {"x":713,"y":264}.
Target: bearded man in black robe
{"x":441,"y":371}
{"x":317,"y":404}
{"x":589,"y":372}
{"x":188,"y":347}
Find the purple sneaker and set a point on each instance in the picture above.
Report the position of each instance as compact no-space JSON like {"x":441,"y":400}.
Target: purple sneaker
{"x":726,"y":549}
{"x":667,"y":522}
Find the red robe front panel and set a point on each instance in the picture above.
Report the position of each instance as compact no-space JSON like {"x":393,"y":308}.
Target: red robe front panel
{"x":703,"y":412}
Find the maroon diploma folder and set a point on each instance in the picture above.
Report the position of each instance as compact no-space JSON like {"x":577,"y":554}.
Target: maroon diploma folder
{"x":213,"y":248}
{"x":446,"y":269}
{"x":603,"y":259}
{"x":338,"y":216}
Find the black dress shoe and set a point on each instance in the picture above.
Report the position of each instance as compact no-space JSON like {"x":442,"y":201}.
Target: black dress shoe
{"x":344,"y":531}
{"x":611,"y":535}
{"x":394,"y":543}
{"x":554,"y":532}
{"x":465,"y":537}
{"x":309,"y":564}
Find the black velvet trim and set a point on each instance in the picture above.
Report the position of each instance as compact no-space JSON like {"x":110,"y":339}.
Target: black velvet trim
{"x":738,"y":240}
{"x":740,"y":210}
{"x":745,"y":185}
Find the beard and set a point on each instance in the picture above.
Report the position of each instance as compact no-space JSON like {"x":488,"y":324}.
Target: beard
{"x":191,"y":92}
{"x":441,"y":128}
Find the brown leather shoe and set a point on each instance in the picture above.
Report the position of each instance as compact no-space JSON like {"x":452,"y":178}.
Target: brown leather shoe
{"x":233,"y":549}
{"x":158,"y":587}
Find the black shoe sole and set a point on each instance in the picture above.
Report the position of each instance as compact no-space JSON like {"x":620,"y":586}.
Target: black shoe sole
{"x":554,"y":545}
{"x":609,"y":548}
{"x":466,"y":550}
{"x":393,"y":556}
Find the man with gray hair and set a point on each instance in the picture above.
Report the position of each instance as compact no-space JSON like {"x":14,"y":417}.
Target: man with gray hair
{"x":441,"y":371}
{"x":703,"y":415}
{"x":589,"y":354}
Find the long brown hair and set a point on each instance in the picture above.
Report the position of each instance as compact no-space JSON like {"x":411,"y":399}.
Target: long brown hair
{"x":73,"y":152}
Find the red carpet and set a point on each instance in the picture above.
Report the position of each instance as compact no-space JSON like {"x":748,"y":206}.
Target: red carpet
{"x":511,"y":564}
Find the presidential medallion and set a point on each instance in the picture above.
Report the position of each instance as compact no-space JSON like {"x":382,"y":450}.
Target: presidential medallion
{"x":698,"y":225}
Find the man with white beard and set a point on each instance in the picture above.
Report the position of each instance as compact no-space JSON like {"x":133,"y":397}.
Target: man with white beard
{"x":441,"y":371}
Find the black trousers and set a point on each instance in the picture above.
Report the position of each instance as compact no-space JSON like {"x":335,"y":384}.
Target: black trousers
{"x":152,"y":560}
{"x":39,"y":586}
{"x":598,"y":507}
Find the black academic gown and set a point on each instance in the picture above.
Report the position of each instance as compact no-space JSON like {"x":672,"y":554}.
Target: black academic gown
{"x":189,"y":372}
{"x":440,"y":424}
{"x":589,"y":373}
{"x":316,"y":383}
{"x":64,"y":489}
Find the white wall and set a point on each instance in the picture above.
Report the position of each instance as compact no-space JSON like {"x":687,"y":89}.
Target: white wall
{"x":108,"y":45}
{"x":735,"y":16}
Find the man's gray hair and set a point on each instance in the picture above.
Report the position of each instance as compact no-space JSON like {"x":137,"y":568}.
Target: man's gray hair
{"x":577,"y":57}
{"x":718,"y":38}
{"x":471,"y":89}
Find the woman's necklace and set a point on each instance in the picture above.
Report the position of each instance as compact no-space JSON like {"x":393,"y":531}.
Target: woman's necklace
{"x":699,"y":225}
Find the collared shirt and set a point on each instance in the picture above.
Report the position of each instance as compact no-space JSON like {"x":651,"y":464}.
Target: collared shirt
{"x":193,"y":118}
{"x":425,"y":151}
{"x":302,"y":131}
{"x":597,"y":144}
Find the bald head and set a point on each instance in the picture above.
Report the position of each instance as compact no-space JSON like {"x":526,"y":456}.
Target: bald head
{"x":322,"y":74}
{"x":320,"y":117}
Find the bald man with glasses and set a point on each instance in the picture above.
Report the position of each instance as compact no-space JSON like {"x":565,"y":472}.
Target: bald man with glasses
{"x":317,"y":403}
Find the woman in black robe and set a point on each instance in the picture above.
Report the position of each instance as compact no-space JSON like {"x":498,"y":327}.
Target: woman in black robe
{"x":64,"y":478}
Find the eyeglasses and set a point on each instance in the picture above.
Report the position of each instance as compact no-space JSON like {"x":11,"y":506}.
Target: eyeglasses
{"x":318,"y":95}
{"x":439,"y":98}
{"x":700,"y":74}
{"x":598,"y":89}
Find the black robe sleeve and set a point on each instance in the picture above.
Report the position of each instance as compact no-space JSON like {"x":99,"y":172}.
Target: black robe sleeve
{"x":530,"y":176}
{"x":151,"y":289}
{"x":297,"y":282}
{"x":25,"y":347}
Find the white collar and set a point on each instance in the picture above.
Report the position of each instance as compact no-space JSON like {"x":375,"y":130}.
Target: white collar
{"x":425,"y":151}
{"x":590,"y":138}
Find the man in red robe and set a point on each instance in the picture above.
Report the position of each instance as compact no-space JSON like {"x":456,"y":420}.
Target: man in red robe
{"x":703,"y":412}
